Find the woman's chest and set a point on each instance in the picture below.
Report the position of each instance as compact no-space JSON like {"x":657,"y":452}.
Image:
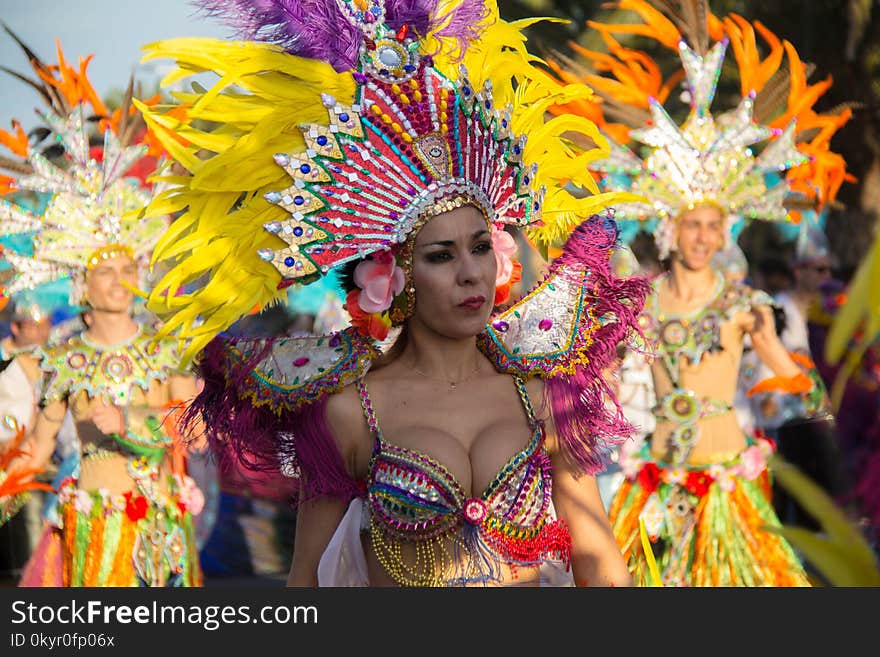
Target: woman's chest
{"x":466,"y":463}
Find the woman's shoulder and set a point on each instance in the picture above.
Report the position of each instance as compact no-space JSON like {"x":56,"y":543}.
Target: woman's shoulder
{"x":345,"y":416}
{"x":344,"y":405}
{"x":536,"y":391}
{"x":535,"y":387}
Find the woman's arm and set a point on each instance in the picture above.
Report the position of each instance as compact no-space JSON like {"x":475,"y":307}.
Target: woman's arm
{"x":318,"y":517}
{"x":316,"y":521}
{"x":596,"y":559}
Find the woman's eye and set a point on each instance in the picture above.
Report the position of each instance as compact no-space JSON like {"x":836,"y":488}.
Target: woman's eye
{"x":483,"y":247}
{"x":439,"y":256}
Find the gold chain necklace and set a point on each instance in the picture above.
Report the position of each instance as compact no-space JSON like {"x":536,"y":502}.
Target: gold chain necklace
{"x":452,"y":384}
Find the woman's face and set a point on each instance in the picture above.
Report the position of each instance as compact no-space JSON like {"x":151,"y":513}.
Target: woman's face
{"x":454,"y":273}
{"x":104,"y":289}
{"x":700,"y":236}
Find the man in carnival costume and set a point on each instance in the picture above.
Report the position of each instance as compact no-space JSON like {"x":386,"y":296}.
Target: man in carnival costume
{"x":397,"y":142}
{"x":700,"y":484}
{"x":126,"y":517}
{"x":30,"y":316}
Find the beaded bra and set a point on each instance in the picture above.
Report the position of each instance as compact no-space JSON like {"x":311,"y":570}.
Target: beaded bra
{"x":460,"y":540}
{"x":680,"y":337}
{"x":110,"y":371}
{"x":113,"y":372}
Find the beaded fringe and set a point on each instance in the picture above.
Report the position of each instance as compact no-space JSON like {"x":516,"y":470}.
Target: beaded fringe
{"x":471,"y":555}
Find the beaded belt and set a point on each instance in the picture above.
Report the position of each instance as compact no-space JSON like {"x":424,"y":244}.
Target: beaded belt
{"x":683,"y":406}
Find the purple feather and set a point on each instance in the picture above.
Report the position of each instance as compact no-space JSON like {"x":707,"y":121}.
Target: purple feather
{"x":238,"y":430}
{"x":315,"y":29}
{"x":587,"y":427}
{"x":464,"y":23}
{"x":319,"y":30}
{"x":417,"y":14}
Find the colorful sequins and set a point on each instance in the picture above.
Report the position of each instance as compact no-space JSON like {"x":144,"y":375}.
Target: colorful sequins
{"x":414,"y":499}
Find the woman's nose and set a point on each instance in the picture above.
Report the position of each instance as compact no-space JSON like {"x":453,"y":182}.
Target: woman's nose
{"x":469,"y":270}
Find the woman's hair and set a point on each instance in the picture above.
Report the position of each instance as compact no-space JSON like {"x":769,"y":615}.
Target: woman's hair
{"x":394,"y":351}
{"x":346,"y":275}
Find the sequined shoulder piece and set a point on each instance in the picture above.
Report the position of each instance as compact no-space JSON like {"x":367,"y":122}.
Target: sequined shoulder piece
{"x":574,"y":318}
{"x":285,"y":373}
{"x":78,"y":364}
{"x":547,"y":332}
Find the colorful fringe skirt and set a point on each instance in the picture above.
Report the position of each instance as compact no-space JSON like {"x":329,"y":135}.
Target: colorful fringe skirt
{"x":116,"y":540}
{"x":705,"y":523}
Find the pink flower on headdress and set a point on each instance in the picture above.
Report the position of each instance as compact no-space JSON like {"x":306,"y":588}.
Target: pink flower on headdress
{"x":380,"y":280}
{"x":509,"y":270}
{"x":504,"y":248}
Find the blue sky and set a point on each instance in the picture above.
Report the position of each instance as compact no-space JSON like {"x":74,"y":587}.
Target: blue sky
{"x":114,"y":30}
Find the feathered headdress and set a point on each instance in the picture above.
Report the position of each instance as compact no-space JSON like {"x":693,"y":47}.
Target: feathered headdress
{"x":762,"y":159}
{"x":351,"y":126}
{"x":331,"y":144}
{"x":92,"y":194}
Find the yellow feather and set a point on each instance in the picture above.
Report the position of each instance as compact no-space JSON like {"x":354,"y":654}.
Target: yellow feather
{"x":259,"y":97}
{"x":862,"y":304}
{"x":653,"y":578}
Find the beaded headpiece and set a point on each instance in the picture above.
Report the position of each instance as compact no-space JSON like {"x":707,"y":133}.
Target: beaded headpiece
{"x":402,"y":112}
{"x":93,"y":193}
{"x":412,"y":145}
{"x":758,"y":160}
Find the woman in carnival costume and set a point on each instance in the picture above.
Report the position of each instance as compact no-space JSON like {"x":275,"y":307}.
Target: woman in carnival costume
{"x":700,"y":484}
{"x":126,"y":519}
{"x":436,"y":443}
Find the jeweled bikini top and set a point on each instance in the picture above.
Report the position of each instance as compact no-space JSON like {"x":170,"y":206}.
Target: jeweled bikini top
{"x":688,"y":336}
{"x":110,"y":371}
{"x":413,"y":498}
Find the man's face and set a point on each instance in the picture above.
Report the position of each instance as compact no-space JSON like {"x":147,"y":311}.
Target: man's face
{"x":27,"y":332}
{"x":109,"y":283}
{"x":700,"y":234}
{"x":811,"y":274}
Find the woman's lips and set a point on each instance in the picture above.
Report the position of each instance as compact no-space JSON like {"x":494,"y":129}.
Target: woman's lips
{"x":473,"y":303}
